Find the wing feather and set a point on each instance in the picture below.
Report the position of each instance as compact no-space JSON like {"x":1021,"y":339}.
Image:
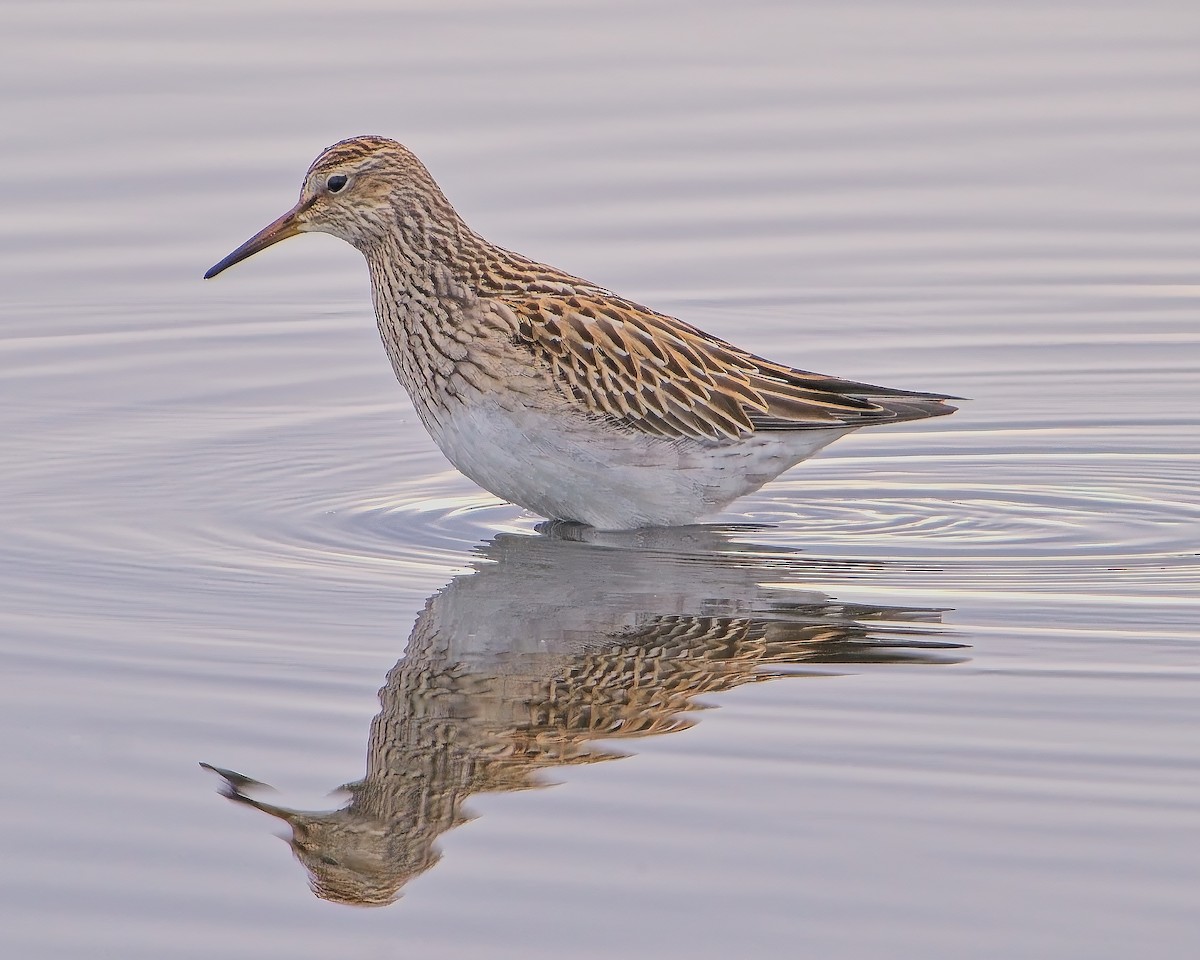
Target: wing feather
{"x":666,"y":378}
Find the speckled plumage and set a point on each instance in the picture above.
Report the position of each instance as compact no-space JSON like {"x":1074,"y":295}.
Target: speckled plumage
{"x":555,"y":393}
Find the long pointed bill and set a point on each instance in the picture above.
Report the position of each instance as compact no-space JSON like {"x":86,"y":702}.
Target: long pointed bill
{"x":286,"y":226}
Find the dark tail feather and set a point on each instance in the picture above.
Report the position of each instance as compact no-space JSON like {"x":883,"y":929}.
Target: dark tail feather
{"x":904,"y":408}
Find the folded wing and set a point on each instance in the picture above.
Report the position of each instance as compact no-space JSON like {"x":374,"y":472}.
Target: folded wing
{"x":667,"y":378}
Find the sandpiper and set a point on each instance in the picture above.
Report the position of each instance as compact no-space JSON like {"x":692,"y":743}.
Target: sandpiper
{"x":550,"y":391}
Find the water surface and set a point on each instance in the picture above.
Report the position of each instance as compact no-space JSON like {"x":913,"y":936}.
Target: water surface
{"x":950,"y":667}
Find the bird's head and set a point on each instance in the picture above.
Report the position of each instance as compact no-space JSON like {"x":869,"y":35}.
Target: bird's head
{"x":360,"y":190}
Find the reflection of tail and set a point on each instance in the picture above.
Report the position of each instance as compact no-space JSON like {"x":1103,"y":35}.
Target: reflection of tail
{"x":486,"y":698}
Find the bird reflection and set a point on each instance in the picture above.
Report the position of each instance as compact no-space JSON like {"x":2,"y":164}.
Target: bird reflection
{"x":554,"y":646}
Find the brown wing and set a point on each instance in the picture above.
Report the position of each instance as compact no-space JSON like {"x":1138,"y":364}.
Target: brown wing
{"x":667,"y":378}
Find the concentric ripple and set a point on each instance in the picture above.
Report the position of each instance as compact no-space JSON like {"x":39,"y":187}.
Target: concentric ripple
{"x":315,"y":475}
{"x":1036,"y":522}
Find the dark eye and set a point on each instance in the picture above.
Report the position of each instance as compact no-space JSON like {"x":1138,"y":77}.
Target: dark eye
{"x":335,"y":183}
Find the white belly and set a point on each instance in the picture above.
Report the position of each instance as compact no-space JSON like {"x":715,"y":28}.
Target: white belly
{"x":611,"y":479}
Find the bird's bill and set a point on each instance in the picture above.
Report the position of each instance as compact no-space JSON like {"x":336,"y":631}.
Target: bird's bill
{"x":286,"y":226}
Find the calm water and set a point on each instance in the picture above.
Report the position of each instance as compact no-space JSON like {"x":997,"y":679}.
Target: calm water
{"x":227,"y":540}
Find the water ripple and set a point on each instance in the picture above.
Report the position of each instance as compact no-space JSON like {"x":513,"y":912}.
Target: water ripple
{"x":1043,"y":520}
{"x":313,"y":471}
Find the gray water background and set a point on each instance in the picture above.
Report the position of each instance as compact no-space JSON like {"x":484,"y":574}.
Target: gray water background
{"x":220,"y":518}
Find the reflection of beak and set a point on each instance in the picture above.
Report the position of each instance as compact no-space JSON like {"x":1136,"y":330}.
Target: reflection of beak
{"x":286,"y":226}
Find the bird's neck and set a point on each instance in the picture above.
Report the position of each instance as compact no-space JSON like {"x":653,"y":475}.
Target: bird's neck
{"x":423,"y":292}
{"x":421,"y":258}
